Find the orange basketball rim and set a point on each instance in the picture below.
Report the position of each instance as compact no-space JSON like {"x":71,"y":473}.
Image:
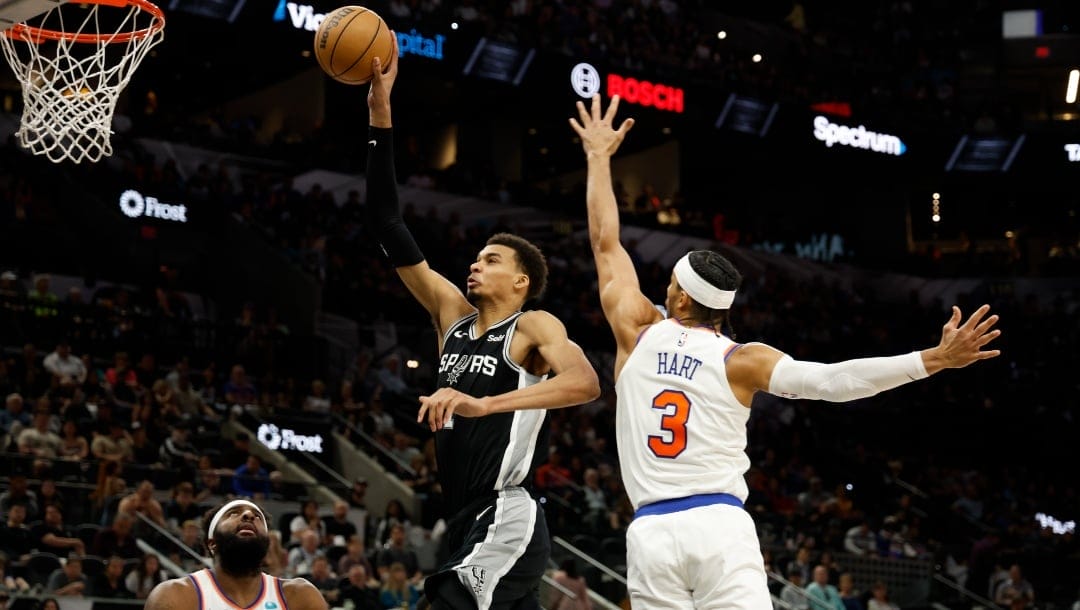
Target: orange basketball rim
{"x":38,"y":35}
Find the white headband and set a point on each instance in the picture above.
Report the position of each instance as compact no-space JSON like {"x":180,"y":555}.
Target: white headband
{"x":230,"y":506}
{"x":700,"y":290}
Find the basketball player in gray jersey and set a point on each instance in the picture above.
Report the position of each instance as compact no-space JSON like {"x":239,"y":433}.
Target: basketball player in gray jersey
{"x":499,"y":369}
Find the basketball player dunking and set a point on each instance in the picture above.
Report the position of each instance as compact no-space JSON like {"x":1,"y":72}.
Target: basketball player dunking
{"x":684,"y":389}
{"x":488,"y":413}
{"x":237,"y":538}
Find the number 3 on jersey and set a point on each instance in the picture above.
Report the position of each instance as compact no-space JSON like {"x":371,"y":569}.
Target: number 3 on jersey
{"x":674,"y":423}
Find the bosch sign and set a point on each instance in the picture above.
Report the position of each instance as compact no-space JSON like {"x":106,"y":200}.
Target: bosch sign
{"x":585,"y":80}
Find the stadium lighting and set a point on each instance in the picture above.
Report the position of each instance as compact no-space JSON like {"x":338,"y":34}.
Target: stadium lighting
{"x":721,"y":35}
{"x":1070,"y":89}
{"x":756,"y":58}
{"x":453,"y":25}
{"x":412,"y":364}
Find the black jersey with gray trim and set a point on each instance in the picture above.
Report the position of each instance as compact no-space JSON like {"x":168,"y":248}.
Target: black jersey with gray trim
{"x":482,"y":455}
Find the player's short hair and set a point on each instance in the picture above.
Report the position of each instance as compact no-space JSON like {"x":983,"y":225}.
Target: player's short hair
{"x":718,"y":271}
{"x":529,"y":257}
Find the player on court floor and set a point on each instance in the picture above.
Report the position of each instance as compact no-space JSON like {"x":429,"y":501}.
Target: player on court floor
{"x":499,"y":369}
{"x":684,"y":389}
{"x":237,"y":538}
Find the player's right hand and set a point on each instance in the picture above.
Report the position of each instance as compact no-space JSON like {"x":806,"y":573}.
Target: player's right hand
{"x":598,"y":138}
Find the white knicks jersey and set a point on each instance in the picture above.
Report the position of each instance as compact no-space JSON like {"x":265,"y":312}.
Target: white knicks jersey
{"x":680,"y":430}
{"x":211,"y":597}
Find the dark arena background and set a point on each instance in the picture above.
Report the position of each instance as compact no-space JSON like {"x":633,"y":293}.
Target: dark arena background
{"x":865,"y":164}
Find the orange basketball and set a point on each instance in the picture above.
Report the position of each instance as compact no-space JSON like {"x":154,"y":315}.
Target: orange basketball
{"x":348,"y":39}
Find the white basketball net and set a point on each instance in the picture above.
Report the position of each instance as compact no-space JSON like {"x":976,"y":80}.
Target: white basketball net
{"x":70,"y":86}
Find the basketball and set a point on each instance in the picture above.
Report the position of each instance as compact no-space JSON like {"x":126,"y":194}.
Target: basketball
{"x":348,"y":39}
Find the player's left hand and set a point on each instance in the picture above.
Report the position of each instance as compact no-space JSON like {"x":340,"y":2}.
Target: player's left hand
{"x":444,"y":403}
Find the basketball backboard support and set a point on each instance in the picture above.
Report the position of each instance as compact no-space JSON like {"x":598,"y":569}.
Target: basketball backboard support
{"x":17,"y":11}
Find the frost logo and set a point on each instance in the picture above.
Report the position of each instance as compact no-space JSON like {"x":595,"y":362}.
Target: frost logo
{"x":133,"y":204}
{"x":1073,"y":151}
{"x":270,"y":436}
{"x":857,"y":137}
{"x":284,"y":439}
{"x":585,"y":80}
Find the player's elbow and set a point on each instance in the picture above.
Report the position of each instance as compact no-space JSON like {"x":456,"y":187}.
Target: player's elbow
{"x":589,"y":385}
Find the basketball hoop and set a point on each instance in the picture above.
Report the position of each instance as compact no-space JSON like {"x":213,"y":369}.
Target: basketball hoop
{"x":73,"y":61}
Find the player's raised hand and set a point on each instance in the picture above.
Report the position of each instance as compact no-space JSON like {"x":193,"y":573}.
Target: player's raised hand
{"x":962,"y":344}
{"x":598,"y":137}
{"x":382,"y":81}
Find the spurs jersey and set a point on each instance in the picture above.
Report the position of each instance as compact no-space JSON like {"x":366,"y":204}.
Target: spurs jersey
{"x":680,"y":430}
{"x":211,"y":597}
{"x":479,"y":456}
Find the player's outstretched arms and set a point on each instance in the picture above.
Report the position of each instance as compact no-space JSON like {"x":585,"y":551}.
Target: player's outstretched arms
{"x":758,"y":367}
{"x":625,"y":307}
{"x":435,"y":293}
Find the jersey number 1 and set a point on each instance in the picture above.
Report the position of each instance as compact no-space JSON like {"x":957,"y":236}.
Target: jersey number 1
{"x":675,"y":423}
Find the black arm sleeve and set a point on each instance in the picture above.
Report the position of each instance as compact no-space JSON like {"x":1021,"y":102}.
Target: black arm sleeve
{"x":382,"y":201}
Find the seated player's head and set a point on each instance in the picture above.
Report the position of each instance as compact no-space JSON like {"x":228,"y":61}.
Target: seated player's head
{"x":509,"y":267}
{"x":702,"y":287}
{"x":237,"y":537}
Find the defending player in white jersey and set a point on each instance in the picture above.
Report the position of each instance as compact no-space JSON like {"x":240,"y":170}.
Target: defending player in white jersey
{"x":238,"y":539}
{"x":684,"y":391}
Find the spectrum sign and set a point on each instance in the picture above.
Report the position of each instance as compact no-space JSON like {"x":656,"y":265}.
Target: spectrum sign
{"x":585,"y":81}
{"x":857,"y":137}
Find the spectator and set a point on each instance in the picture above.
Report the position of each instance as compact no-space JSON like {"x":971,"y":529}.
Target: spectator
{"x":361,"y":590}
{"x":251,"y":480}
{"x":1015,"y":589}
{"x":851,"y":597}
{"x":73,"y":446}
{"x":142,"y":502}
{"x":397,"y":551}
{"x":110,"y":582}
{"x":67,"y":370}
{"x":234,"y":456}
{"x":301,"y":557}
{"x":567,"y":576}
{"x":823,"y":596}
{"x":19,"y":492}
{"x":354,"y":555}
{"x":141,"y":580}
{"x":308,"y":519}
{"x":393,"y":515}
{"x":324,"y":580}
{"x":69,"y":579}
{"x":879,"y":599}
{"x":238,"y":389}
{"x":177,"y":452}
{"x":317,"y":401}
{"x":14,"y":416}
{"x":337,"y":527}
{"x":277,"y":558}
{"x":39,"y":441}
{"x":52,"y":536}
{"x":117,"y":539}
{"x":208,"y":481}
{"x":182,"y":507}
{"x":16,"y":540}
{"x":793,"y":593}
{"x":399,"y":592}
{"x":861,"y":540}
{"x":358,"y":493}
{"x":112,"y":442}
{"x":9,"y":582}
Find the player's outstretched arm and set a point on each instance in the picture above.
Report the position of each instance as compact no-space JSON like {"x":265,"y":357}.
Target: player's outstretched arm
{"x":174,"y":594}
{"x":435,"y":293}
{"x":760,"y":367}
{"x":574,"y":381}
{"x":625,"y":307}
